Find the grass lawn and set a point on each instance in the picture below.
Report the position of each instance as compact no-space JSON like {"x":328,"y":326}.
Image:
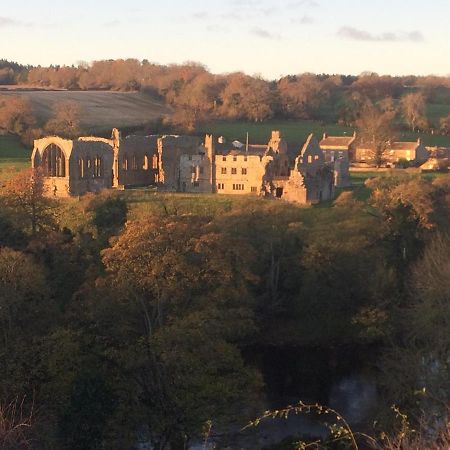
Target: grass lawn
{"x":14,"y":156}
{"x":436,"y":111}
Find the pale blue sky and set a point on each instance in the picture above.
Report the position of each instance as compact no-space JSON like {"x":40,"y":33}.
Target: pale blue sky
{"x":266,"y":37}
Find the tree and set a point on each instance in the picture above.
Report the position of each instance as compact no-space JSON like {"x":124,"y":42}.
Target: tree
{"x":66,"y":120}
{"x":444,"y":125}
{"x":413,"y":107}
{"x":25,"y":199}
{"x":16,"y":116}
{"x":376,"y":128}
{"x":171,"y":308}
{"x":22,"y":289}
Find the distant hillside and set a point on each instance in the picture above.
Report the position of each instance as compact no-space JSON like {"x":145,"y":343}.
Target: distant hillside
{"x":101,"y":110}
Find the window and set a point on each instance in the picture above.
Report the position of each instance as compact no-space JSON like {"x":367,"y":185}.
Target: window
{"x":244,"y":171}
{"x":145,"y":166}
{"x":238,"y":187}
{"x":190,"y":158}
{"x":310,"y":159}
{"x":234,"y":158}
{"x":220,"y":186}
{"x":54,"y":162}
{"x":254,"y":189}
{"x":224,"y":158}
{"x":245,"y":158}
{"x":223,"y":171}
{"x":80,"y":168}
{"x":155,"y":161}
{"x":233,"y":171}
{"x":134,"y":164}
{"x":196,"y":184}
{"x":98,"y":167}
{"x":316,"y":157}
{"x":125,"y":162}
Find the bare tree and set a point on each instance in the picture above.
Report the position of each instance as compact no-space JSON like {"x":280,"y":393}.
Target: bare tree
{"x":413,"y":107}
{"x":376,"y":128}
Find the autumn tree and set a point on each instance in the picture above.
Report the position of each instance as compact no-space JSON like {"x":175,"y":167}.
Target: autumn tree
{"x":413,"y":107}
{"x":184,"y":293}
{"x":16,"y":116}
{"x":376,"y":128}
{"x":66,"y":120}
{"x":24,"y":198}
{"x":248,"y":98}
{"x":302,"y":96}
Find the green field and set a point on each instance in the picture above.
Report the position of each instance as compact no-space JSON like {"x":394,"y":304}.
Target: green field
{"x":14,"y":156}
{"x":436,"y":111}
{"x":295,"y":132}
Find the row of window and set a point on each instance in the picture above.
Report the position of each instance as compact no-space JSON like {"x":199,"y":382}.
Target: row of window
{"x":135,"y":164}
{"x":93,"y":166}
{"x":224,"y":158}
{"x":236,"y":187}
{"x":223,"y":171}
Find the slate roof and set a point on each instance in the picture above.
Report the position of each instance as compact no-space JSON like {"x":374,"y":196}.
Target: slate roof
{"x":337,"y":142}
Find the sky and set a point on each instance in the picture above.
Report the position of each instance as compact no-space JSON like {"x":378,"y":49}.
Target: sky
{"x":264,"y":37}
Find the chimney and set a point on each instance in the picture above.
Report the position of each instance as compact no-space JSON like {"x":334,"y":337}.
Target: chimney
{"x":209,"y":146}
{"x":276,"y":135}
{"x":325,"y":135}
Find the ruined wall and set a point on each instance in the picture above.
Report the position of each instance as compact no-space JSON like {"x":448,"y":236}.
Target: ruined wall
{"x":136,"y":161}
{"x":87,"y":166}
{"x":170,"y":149}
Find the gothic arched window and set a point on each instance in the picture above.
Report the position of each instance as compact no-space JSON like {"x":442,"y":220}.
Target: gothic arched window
{"x":54,"y":161}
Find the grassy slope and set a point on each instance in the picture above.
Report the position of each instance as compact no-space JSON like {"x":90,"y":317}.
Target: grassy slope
{"x":101,"y":110}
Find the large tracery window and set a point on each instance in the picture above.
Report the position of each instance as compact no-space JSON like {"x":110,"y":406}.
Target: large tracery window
{"x":54,"y":162}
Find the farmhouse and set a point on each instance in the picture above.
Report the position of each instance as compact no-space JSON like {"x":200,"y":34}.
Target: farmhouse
{"x":414,"y":152}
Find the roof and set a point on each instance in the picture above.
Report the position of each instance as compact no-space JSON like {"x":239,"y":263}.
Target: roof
{"x":404,"y":145}
{"x":310,"y":141}
{"x":337,"y":142}
{"x":253,"y":150}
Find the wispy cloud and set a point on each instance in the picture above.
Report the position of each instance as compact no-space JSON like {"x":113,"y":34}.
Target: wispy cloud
{"x":200,"y":15}
{"x":304,"y":20}
{"x":262,"y":33}
{"x":362,"y":35}
{"x":9,"y":22}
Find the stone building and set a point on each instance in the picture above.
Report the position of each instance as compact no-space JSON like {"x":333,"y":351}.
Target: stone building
{"x":414,"y":152}
{"x":183,"y":163}
{"x":259,"y":170}
{"x":311,"y":180}
{"x":73,"y":167}
{"x":90,"y":164}
{"x":338,"y":150}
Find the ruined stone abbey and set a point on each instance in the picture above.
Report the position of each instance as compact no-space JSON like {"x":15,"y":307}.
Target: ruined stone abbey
{"x":186,"y":164}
